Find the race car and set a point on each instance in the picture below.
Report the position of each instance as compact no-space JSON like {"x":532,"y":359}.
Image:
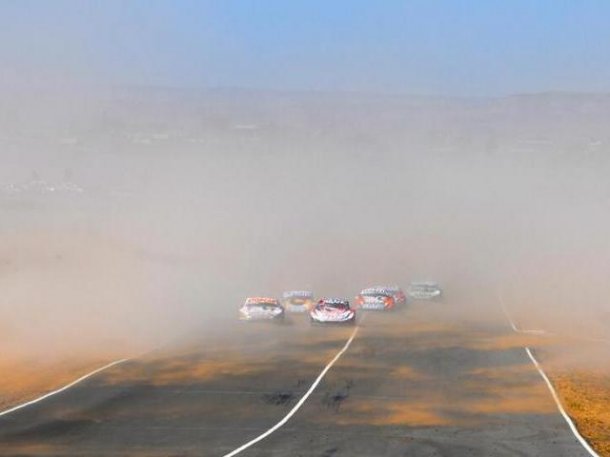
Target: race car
{"x":375,"y":298}
{"x":261,"y":309}
{"x":298,"y":301}
{"x":424,"y":290}
{"x":332,"y":311}
{"x":399,"y":296}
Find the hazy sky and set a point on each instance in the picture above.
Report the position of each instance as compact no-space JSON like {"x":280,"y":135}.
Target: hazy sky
{"x":478,"y":47}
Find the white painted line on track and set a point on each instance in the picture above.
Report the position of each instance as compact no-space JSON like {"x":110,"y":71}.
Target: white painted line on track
{"x":62,"y":389}
{"x":512,"y":323}
{"x":575,"y":431}
{"x":544,"y":332}
{"x":546,"y":379}
{"x":300,"y":402}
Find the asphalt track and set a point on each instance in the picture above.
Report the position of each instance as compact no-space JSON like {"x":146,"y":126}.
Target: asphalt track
{"x":423,"y":381}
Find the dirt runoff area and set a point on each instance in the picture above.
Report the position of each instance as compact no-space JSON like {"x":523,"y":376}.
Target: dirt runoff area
{"x":586,"y":398}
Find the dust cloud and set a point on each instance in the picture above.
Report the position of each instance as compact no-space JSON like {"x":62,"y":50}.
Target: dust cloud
{"x":133,"y":216}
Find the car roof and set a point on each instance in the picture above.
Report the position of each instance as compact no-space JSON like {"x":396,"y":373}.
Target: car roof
{"x":297,"y":293}
{"x":257,"y":300}
{"x":376,"y":290}
{"x":334,"y":301}
{"x":391,"y":288}
{"x":424,"y":283}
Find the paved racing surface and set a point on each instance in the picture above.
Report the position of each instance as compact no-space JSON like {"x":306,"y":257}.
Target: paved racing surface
{"x":423,"y":381}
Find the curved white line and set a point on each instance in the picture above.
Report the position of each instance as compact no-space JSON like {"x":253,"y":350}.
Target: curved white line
{"x":560,"y":406}
{"x":507,"y":315}
{"x":300,"y":402}
{"x":62,"y":389}
{"x":567,"y":418}
{"x":514,"y":326}
{"x":544,"y":332}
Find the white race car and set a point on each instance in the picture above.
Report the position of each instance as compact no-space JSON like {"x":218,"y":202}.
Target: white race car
{"x":424,"y":290}
{"x":332,"y":311}
{"x":261,"y":309}
{"x":298,"y":301}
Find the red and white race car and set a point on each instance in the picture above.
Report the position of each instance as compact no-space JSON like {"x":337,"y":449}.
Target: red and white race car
{"x":261,"y":309}
{"x":375,"y":298}
{"x":332,"y":311}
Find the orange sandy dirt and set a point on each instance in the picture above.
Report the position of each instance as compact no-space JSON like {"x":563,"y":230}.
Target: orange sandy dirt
{"x":586,"y":397}
{"x":376,"y":412}
{"x":23,"y":380}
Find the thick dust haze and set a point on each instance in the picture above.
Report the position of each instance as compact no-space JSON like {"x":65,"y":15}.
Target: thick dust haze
{"x":132,"y":217}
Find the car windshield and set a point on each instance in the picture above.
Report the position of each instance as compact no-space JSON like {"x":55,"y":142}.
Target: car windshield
{"x":262,"y":305}
{"x":335,"y":305}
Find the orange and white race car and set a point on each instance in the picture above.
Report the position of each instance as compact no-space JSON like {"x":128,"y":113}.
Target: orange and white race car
{"x":375,"y":298}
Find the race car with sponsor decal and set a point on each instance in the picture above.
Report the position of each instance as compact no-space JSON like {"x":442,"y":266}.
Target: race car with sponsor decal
{"x":375,"y":298}
{"x":298,"y":301}
{"x":424,"y":290}
{"x":399,"y":296}
{"x":332,"y":311}
{"x":261,"y":309}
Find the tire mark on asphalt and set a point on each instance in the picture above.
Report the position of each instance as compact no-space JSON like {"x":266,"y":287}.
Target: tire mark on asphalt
{"x":300,"y":403}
